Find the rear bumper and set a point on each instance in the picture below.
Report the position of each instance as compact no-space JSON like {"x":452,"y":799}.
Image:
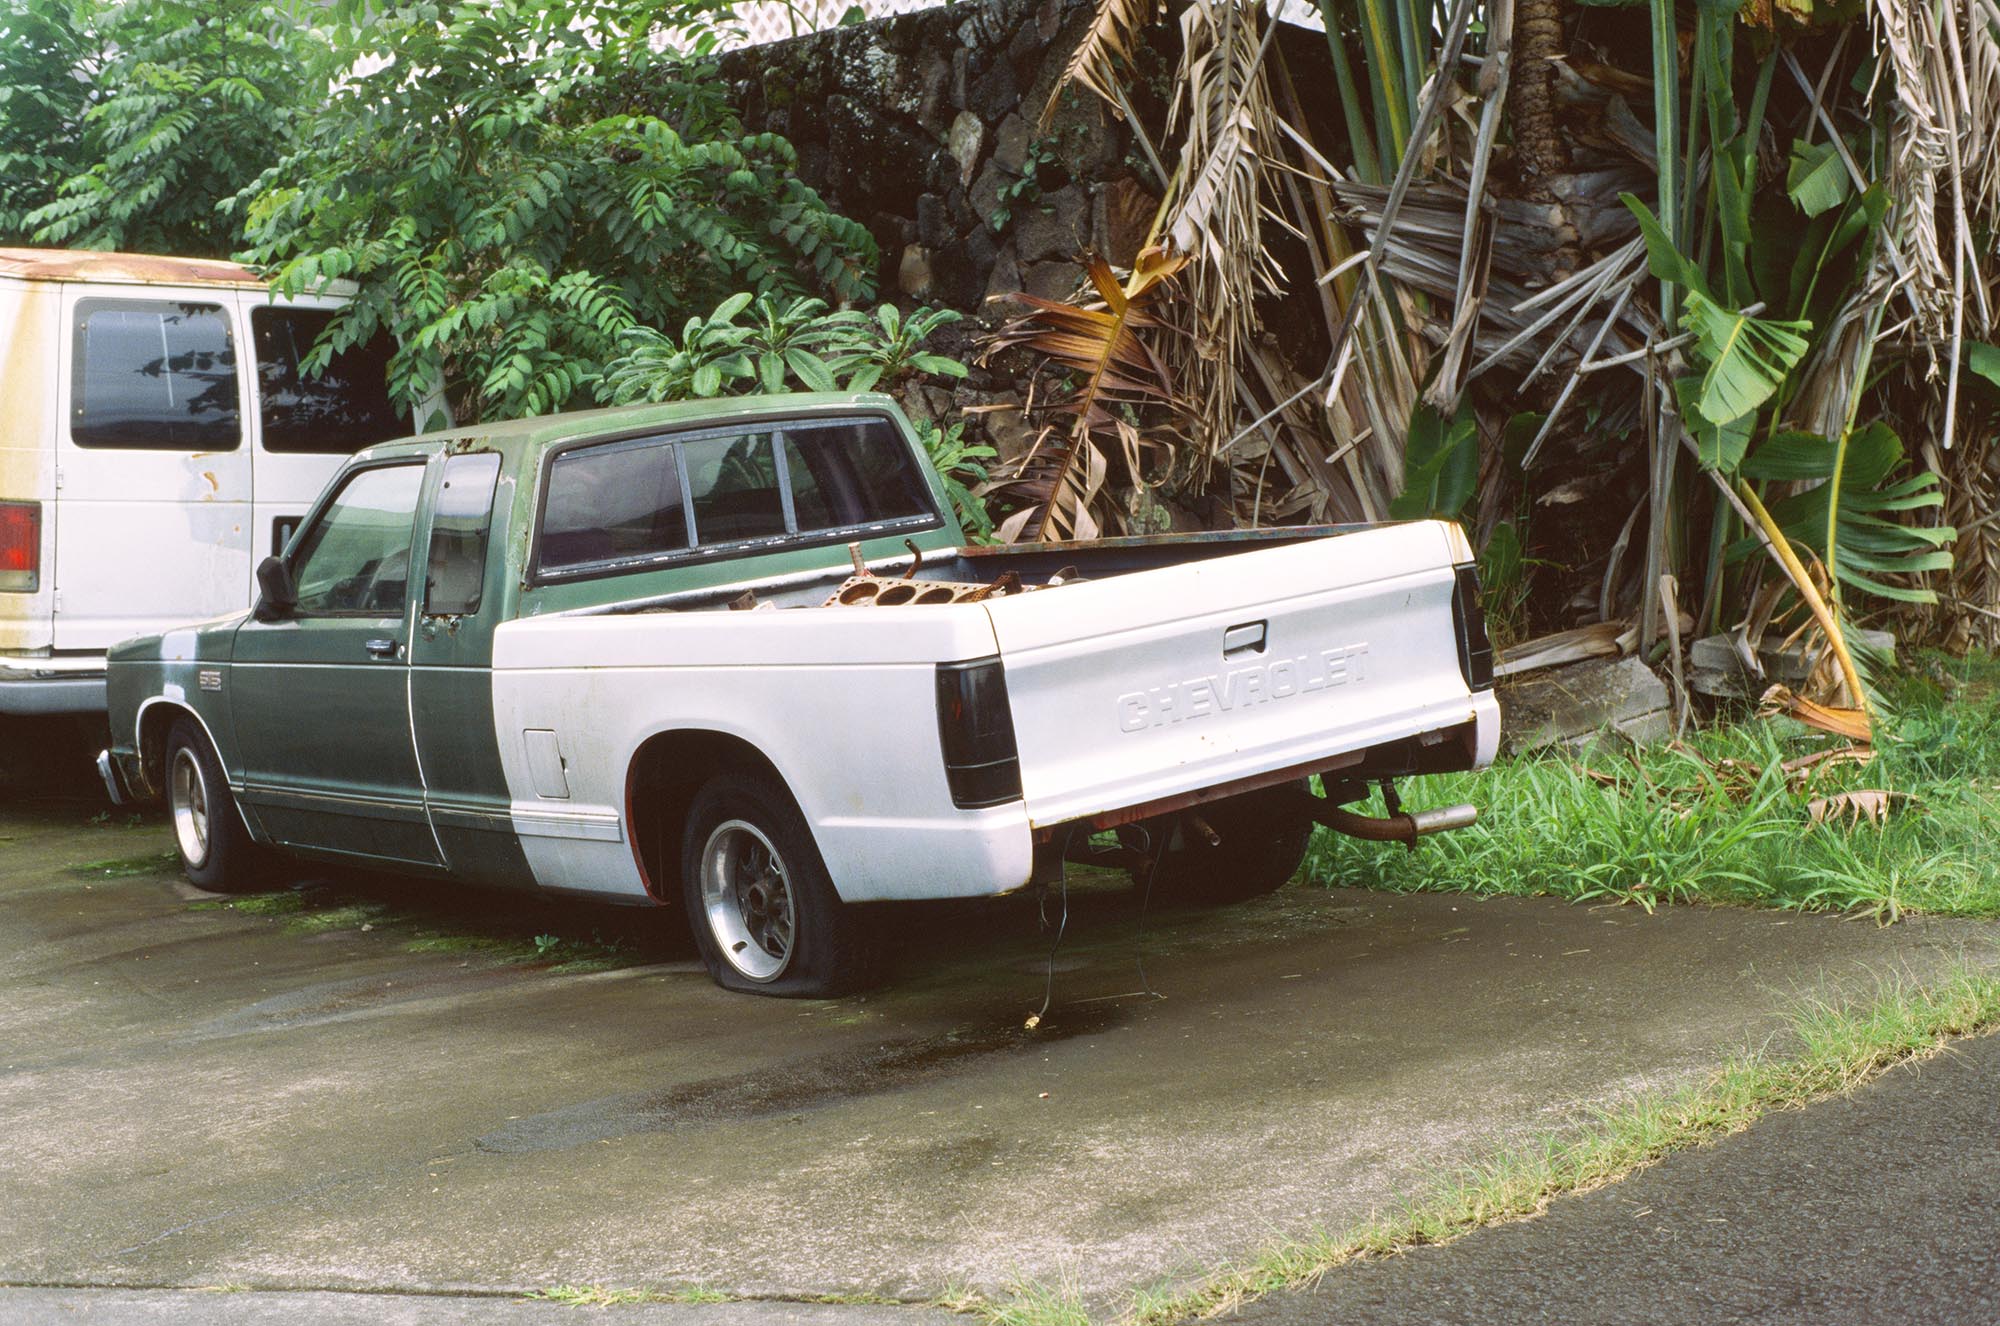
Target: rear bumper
{"x":31,"y":684}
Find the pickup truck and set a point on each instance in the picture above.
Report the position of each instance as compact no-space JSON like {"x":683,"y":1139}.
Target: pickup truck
{"x":737,"y":657}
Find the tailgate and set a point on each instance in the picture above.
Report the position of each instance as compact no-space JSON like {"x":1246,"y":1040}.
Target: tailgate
{"x":1158,"y":683}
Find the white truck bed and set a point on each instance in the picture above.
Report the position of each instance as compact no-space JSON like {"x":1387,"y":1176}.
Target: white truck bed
{"x":1125,"y":692}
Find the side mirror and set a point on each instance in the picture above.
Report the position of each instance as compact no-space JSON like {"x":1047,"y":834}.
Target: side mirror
{"x":277,"y":595}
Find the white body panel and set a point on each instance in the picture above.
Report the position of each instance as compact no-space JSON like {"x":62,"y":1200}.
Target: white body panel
{"x":1359,"y":649}
{"x":147,"y":539}
{"x":1123,"y":694}
{"x":843,"y":703}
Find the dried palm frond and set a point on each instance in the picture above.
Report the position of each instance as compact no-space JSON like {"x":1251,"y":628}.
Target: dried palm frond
{"x":1060,"y":483}
{"x":1969,"y":603}
{"x":1216,"y":202}
{"x":1841,"y":722}
{"x":1852,"y":809}
{"x":1107,"y":43}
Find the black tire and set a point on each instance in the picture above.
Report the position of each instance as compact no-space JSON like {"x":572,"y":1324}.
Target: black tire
{"x":762,"y":907}
{"x":1264,"y":836}
{"x":215,"y":848}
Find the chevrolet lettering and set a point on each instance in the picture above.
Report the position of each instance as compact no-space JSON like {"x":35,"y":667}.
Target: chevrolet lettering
{"x":1280,"y":679}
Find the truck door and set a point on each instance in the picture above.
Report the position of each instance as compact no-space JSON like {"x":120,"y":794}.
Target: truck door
{"x":152,"y":525}
{"x":321,"y":698}
{"x":451,"y":676}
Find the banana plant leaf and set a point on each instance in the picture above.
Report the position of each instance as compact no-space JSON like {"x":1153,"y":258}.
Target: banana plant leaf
{"x":1871,"y":545}
{"x":1747,"y":358}
{"x":1441,"y":471}
{"x":1722,"y":445}
{"x":1817,"y":178}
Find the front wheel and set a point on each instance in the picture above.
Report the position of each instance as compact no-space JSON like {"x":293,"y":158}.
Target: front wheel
{"x":1263,"y":839}
{"x":763,"y":909}
{"x":215,"y":848}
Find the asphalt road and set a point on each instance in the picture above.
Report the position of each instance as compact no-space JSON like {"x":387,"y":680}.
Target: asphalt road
{"x":1881,"y":1206}
{"x":196,"y":1097}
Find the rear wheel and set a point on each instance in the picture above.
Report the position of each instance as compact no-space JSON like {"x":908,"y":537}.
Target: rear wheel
{"x":1263,"y":837}
{"x":762,"y":907}
{"x":215,"y":848}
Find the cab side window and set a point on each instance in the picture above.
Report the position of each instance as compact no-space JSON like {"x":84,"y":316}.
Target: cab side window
{"x":342,"y":408}
{"x":153,"y":374}
{"x":355,"y":559}
{"x":459,"y":529}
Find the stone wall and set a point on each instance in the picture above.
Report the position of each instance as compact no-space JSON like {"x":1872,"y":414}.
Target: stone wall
{"x":927,"y":128}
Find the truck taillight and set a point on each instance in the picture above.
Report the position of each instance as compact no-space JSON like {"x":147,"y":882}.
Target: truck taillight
{"x":21,"y":546}
{"x":1468,"y":617}
{"x":976,"y":730}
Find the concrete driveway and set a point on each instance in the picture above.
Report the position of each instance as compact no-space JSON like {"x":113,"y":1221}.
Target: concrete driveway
{"x":194,"y":1096}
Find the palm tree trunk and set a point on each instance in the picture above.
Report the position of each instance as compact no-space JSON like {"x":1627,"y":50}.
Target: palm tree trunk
{"x":1538,"y":41}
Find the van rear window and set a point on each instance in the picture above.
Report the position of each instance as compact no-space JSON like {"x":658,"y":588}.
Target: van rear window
{"x":153,"y":374}
{"x":344,"y":408}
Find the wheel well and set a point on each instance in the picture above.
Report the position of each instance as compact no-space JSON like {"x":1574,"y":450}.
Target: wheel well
{"x":153,"y":728}
{"x":667,"y":771}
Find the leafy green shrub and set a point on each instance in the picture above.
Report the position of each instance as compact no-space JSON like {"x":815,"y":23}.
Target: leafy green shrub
{"x":963,"y":468}
{"x":800,"y":343}
{"x":123,"y":126}
{"x":41,"y":107}
{"x":481,"y":171}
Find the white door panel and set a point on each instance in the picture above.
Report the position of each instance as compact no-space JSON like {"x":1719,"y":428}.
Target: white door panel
{"x":148,"y":536}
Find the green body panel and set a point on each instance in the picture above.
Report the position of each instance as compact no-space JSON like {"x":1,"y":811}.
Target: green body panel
{"x":397,"y":761}
{"x":451,"y":698}
{"x":323,"y":731}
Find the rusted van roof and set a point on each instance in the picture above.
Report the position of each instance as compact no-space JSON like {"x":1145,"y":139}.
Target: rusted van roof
{"x":123,"y":268}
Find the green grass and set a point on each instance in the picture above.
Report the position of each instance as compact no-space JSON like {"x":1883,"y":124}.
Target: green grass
{"x":1664,"y":825}
{"x":445,"y":920}
{"x":1832,"y":1049}
{"x":154,"y":864}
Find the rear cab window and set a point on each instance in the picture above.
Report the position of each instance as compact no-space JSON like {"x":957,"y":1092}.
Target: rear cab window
{"x":637,"y":503}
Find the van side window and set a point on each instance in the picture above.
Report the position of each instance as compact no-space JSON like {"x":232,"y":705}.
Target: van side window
{"x":155,"y":374}
{"x":459,"y":529}
{"x":343,"y":408}
{"x":355,"y":559}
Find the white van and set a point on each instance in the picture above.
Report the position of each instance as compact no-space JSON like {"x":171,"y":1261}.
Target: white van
{"x":157,"y":440}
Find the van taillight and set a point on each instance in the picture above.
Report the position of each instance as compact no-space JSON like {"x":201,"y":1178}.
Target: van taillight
{"x":1468,"y":615}
{"x":21,"y":546}
{"x":976,"y":730}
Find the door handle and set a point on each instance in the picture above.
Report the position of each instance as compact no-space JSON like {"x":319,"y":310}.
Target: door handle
{"x":1245,"y":639}
{"x":382,"y":648}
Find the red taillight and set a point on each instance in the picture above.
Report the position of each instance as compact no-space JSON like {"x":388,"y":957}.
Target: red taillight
{"x":976,"y":729}
{"x":21,"y":546}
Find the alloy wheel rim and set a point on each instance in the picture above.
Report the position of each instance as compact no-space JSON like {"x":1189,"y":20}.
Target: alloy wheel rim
{"x":747,"y":898}
{"x":189,"y":795}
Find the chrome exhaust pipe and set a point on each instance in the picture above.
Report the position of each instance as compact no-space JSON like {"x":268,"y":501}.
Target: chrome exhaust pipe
{"x":1403,"y":828}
